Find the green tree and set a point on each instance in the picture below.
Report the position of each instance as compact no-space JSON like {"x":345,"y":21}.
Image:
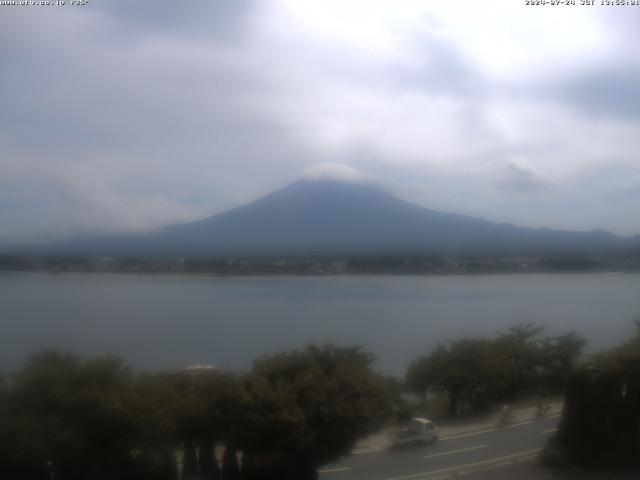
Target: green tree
{"x":224,"y":405}
{"x":474,"y":373}
{"x":69,"y":416}
{"x":17,"y":458}
{"x":309,"y":407}
{"x":520,"y":346}
{"x":207,"y":411}
{"x":153,"y":404}
{"x":427,"y":373}
{"x":624,"y":358}
{"x":559,"y":356}
{"x":600,"y":422}
{"x":466,"y":370}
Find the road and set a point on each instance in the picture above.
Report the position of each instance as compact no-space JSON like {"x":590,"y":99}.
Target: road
{"x":489,"y":453}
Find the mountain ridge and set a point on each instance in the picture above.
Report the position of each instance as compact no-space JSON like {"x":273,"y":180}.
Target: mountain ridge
{"x":321,"y":216}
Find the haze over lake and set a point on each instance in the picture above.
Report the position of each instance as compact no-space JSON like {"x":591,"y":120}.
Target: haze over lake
{"x":171,"y":321}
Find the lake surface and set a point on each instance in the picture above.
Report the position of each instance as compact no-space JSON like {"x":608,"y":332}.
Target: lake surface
{"x":170,"y":321}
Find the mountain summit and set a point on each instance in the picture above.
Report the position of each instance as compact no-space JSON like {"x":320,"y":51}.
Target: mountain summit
{"x":316,"y":215}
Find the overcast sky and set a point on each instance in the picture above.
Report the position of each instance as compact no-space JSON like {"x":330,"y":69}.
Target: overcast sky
{"x":125,"y":116}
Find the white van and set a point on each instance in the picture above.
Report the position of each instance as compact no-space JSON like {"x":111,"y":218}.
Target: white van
{"x":420,"y":430}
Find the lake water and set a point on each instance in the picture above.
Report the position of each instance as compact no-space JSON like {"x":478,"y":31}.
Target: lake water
{"x":170,"y":321}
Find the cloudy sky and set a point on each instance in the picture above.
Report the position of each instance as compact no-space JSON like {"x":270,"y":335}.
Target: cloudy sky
{"x":125,"y":116}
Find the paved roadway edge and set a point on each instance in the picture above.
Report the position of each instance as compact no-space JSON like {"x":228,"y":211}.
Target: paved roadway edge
{"x":468,"y":433}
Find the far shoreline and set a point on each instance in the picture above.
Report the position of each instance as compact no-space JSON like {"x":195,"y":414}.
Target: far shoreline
{"x":421,"y":264}
{"x":312,"y":275}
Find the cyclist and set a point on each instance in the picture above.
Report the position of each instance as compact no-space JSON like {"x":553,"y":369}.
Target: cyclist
{"x":542,"y":410}
{"x":506,"y":414}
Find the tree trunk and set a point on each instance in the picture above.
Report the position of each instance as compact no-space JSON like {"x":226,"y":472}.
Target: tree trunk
{"x":230,"y":466}
{"x":249,"y":470}
{"x":209,"y":468}
{"x":169,"y":468}
{"x":189,"y":460}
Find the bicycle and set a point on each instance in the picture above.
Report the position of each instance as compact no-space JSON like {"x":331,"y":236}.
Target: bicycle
{"x":507,"y":419}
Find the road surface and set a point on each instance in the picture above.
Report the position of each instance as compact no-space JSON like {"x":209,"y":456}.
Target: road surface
{"x":506,"y":452}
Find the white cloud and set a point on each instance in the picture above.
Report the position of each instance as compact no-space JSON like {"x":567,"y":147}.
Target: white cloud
{"x":158,"y":115}
{"x":337,"y":172}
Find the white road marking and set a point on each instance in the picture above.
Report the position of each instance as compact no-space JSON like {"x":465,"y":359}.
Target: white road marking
{"x":551,"y":430}
{"x":467,"y":465}
{"x":481,"y":469}
{"x":332,"y":470}
{"x":517,"y":424}
{"x":370,"y":450}
{"x":471,"y":434}
{"x":451,"y":452}
{"x":488,"y":430}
